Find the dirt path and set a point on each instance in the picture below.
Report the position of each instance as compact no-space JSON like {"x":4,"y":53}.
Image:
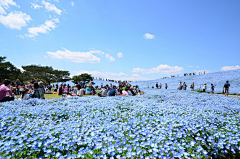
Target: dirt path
{"x":236,"y":96}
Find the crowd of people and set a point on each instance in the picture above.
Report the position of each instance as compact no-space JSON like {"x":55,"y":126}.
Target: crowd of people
{"x":9,"y":90}
{"x":124,"y":89}
{"x":36,"y":89}
{"x":183,"y":86}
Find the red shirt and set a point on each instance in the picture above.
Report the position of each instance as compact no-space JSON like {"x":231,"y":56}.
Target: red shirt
{"x":3,"y":92}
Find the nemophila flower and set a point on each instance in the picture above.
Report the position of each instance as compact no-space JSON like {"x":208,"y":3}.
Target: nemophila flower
{"x":100,"y":123}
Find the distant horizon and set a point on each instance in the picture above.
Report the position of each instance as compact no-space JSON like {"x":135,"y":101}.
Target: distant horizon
{"x":130,"y":40}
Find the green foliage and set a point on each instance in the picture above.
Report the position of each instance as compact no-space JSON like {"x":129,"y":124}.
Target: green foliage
{"x":83,"y":77}
{"x":45,"y":73}
{"x":8,"y":70}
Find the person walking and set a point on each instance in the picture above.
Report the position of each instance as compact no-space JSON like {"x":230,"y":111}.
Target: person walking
{"x":204,"y":87}
{"x":226,"y":86}
{"x":157,"y":85}
{"x":166,"y":86}
{"x":212,"y":88}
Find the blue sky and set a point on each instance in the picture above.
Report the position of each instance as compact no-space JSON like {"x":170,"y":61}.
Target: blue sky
{"x":134,"y":40}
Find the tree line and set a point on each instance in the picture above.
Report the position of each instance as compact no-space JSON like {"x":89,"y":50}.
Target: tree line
{"x":32,"y":72}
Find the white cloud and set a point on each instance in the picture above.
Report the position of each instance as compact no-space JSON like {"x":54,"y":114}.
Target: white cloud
{"x":15,"y":20}
{"x":56,"y":0}
{"x":51,"y":7}
{"x":135,"y":75}
{"x":111,"y":75}
{"x":80,"y":57}
{"x":100,"y":74}
{"x":21,"y":69}
{"x":163,"y":69}
{"x":148,"y":36}
{"x":35,"y":6}
{"x":4,"y":5}
{"x":228,"y":68}
{"x":72,"y":3}
{"x":119,"y":54}
{"x":96,"y":52}
{"x":197,"y":66}
{"x":190,"y":66}
{"x":20,"y":36}
{"x":110,"y":58}
{"x":43,"y":28}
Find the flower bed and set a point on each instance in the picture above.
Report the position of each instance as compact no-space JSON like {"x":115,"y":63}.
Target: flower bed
{"x":161,"y":123}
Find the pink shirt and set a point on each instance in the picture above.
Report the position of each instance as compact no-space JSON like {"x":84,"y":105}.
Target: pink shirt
{"x":124,"y":93}
{"x":3,"y":92}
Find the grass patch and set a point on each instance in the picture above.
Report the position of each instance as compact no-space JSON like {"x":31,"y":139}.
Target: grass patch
{"x":51,"y":96}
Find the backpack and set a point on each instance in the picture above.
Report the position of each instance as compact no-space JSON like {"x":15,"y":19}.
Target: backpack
{"x":226,"y":85}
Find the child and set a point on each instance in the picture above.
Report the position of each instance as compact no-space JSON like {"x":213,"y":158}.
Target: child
{"x":24,"y":95}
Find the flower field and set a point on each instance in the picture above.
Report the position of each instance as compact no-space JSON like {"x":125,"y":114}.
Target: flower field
{"x":159,"y":124}
{"x":218,"y":79}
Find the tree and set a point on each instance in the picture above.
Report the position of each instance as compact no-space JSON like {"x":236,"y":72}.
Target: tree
{"x":8,"y":70}
{"x":45,"y":73}
{"x":83,"y":77}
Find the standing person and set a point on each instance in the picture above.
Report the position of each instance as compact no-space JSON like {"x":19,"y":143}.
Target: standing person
{"x":184,"y":86}
{"x":212,"y":88}
{"x":18,"y":82}
{"x":68,"y":88}
{"x":204,"y":87}
{"x":4,"y":90}
{"x":192,"y":86}
{"x":60,"y":90}
{"x":37,"y":91}
{"x":89,"y":84}
{"x":160,"y":86}
{"x":180,"y":86}
{"x":20,"y":88}
{"x":166,"y":85}
{"x":41,"y":86}
{"x":226,"y":86}
{"x":75,"y":87}
{"x":157,"y":85}
{"x":56,"y":87}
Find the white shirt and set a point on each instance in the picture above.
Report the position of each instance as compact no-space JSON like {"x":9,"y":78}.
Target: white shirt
{"x":25,"y":97}
{"x":80,"y":92}
{"x":204,"y":86}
